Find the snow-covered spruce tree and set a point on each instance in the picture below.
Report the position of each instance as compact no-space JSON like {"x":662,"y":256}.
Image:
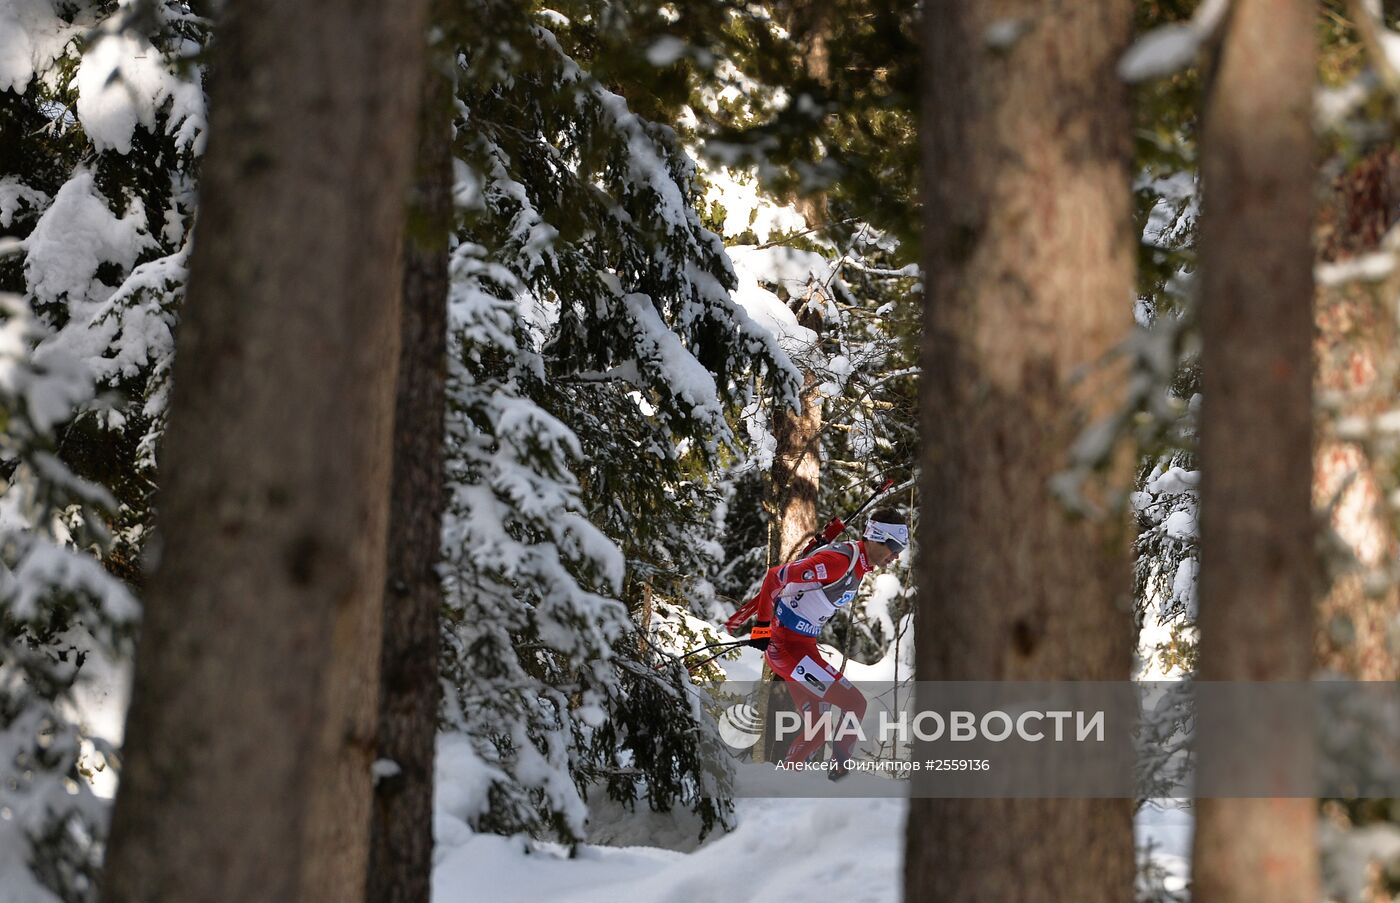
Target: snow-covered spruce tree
{"x":809,"y":107}
{"x":57,"y":605}
{"x":99,"y":131}
{"x":1166,"y":375}
{"x":597,"y":360}
{"x":865,"y":382}
{"x":1164,"y":354}
{"x":870,"y":379}
{"x":102,"y":125}
{"x":791,"y":108}
{"x":820,"y":257}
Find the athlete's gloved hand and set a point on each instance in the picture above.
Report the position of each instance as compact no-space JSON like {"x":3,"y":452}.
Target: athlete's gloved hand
{"x":761,"y":635}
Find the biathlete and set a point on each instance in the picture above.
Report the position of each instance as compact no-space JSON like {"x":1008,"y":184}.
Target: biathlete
{"x":801,"y":597}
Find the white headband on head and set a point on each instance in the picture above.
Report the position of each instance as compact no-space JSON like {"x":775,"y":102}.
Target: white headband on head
{"x":894,"y":535}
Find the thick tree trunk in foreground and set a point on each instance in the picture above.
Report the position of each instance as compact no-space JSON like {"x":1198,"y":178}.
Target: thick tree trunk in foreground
{"x":401,"y":834}
{"x":251,"y":731}
{"x":1258,"y":557}
{"x":1029,"y":261}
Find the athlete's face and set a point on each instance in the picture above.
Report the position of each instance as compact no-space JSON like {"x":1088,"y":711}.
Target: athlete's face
{"x":878,"y":553}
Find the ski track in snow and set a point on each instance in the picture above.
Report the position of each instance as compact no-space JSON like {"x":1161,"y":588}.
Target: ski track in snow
{"x":843,"y":849}
{"x":849,"y":849}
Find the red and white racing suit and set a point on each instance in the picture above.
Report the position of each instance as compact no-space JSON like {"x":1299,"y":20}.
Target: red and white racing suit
{"x":799,"y":598}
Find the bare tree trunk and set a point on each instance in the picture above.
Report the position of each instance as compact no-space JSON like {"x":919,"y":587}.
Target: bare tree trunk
{"x":648,"y":607}
{"x":794,"y":484}
{"x":1029,"y":260}
{"x":1258,"y":573}
{"x":251,"y":731}
{"x":401,"y":832}
{"x":795,"y":478}
{"x":797,"y":457}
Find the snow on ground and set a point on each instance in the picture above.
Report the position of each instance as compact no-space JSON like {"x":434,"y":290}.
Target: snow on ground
{"x":848,"y":849}
{"x":851,"y":848}
{"x":1167,"y":825}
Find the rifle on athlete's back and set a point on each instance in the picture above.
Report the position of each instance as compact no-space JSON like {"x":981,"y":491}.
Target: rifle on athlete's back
{"x":834,"y":528}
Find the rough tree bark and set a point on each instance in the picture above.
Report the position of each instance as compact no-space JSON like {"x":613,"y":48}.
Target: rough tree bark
{"x":1258,"y":573}
{"x":1357,"y":372}
{"x":794,"y":482}
{"x":1029,"y":259}
{"x":795,"y":478}
{"x":401,"y":831}
{"x":251,"y":730}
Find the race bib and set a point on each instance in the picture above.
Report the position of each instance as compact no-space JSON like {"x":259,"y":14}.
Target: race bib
{"x":813,"y":675}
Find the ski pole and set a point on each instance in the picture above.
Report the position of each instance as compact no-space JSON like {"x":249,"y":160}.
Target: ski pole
{"x":719,"y":645}
{"x":692,"y":668}
{"x":723,"y":646}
